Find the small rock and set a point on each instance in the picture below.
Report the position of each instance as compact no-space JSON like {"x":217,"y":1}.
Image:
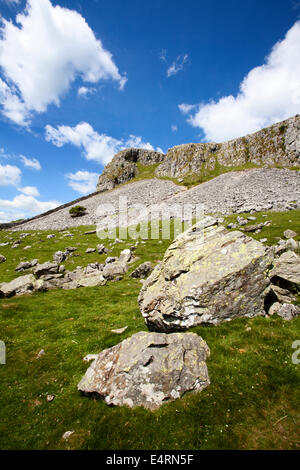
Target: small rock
{"x":289,"y":234}
{"x":90,"y":250}
{"x":2,"y":259}
{"x":50,"y":236}
{"x":288,"y":311}
{"x":142,"y":270}
{"x":59,"y":257}
{"x":67,"y":434}
{"x":119,"y":331}
{"x":50,"y":398}
{"x":41,"y":353}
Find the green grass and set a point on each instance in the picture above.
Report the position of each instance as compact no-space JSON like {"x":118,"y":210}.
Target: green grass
{"x":193,"y":179}
{"x":280,"y":221}
{"x":252,"y":402}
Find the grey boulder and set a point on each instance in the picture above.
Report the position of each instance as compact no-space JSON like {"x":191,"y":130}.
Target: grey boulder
{"x":148,"y":369}
{"x":46,"y":268}
{"x":143,"y":270}
{"x":19,"y":286}
{"x":208,"y":275}
{"x":286,"y":271}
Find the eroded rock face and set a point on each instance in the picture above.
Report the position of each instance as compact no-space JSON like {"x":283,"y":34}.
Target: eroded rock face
{"x":277,"y":144}
{"x":148,"y":369}
{"x":208,"y":275}
{"x":123,"y":167}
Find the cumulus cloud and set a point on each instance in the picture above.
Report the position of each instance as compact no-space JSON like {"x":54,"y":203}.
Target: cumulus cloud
{"x":83,"y":182}
{"x":174,"y":128}
{"x":32,"y":163}
{"x":98,"y":147}
{"x":30,"y":191}
{"x":41,"y":56}
{"x":177,"y":65}
{"x":10,"y":175}
{"x":23,"y":206}
{"x":84,"y":91}
{"x":268,"y":94}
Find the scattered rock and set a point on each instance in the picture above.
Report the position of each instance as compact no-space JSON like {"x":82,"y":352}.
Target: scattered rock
{"x":208,"y":275}
{"x":148,"y":369}
{"x":90,"y":250}
{"x":119,"y":331}
{"x":289,"y":234}
{"x":90,"y":232}
{"x":286,"y":271}
{"x":50,"y":236}
{"x":286,"y":311}
{"x":91,"y":281}
{"x":102,"y":249}
{"x":67,"y":434}
{"x":253,"y":228}
{"x":41,"y":353}
{"x":59,"y":257}
{"x":19,"y":286}
{"x":143,"y":270}
{"x":46,"y":268}
{"x":50,"y":398}
{"x":2,"y":259}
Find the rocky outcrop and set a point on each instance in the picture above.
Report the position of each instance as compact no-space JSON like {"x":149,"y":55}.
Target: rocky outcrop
{"x":123,"y":167}
{"x":52,"y":275}
{"x":208,"y":275}
{"x":277,"y":145}
{"x":148,"y":369}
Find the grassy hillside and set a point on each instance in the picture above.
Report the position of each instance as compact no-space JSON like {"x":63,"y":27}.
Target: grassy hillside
{"x":190,"y":180}
{"x":252,"y":402}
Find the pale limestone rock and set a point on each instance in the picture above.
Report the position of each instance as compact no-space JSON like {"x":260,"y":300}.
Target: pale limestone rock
{"x":148,"y":369}
{"x":208,"y":275}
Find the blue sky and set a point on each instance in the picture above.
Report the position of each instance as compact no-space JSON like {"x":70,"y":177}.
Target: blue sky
{"x":83,"y":79}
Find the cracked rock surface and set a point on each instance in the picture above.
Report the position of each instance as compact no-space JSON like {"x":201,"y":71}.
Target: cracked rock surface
{"x":148,"y":369}
{"x":208,"y":275}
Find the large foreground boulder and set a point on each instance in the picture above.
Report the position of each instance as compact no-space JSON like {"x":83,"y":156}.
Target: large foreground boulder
{"x":148,"y":370}
{"x":208,"y":275}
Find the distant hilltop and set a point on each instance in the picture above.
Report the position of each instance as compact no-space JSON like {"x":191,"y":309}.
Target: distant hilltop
{"x":274,"y":146}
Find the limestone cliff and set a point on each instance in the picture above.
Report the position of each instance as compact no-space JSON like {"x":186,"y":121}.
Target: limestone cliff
{"x":123,"y":167}
{"x":274,"y":146}
{"x":277,"y":145}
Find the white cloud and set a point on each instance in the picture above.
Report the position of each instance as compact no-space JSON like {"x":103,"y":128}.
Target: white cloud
{"x":268,"y":94}
{"x":84,"y":91}
{"x":98,"y":147}
{"x":83,"y":182}
{"x":31,"y":163}
{"x":23,"y":206}
{"x":177,"y":65}
{"x":43,"y":54}
{"x":137,"y":142}
{"x":30,"y":191}
{"x":174,"y":128}
{"x":186,"y":108}
{"x":10,"y":175}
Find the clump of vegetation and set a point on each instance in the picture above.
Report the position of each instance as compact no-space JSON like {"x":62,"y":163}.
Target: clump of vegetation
{"x":77,"y":211}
